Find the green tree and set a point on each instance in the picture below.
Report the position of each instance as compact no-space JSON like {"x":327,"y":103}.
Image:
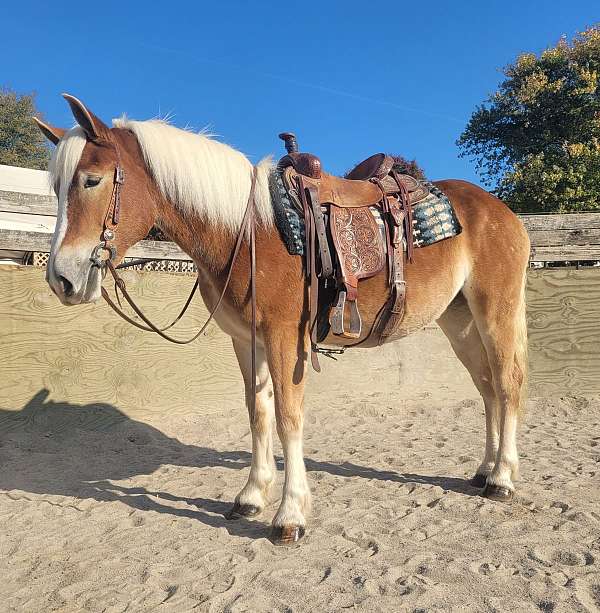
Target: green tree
{"x":21,"y":142}
{"x":409,"y":167}
{"x":537,"y":139}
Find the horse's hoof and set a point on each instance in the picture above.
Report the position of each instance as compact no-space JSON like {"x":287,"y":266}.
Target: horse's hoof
{"x":497,"y":493}
{"x":286,"y":535}
{"x":479,"y":480}
{"x":242,"y":510}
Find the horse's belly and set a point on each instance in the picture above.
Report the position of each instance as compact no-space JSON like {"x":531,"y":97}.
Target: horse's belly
{"x":433,"y":280}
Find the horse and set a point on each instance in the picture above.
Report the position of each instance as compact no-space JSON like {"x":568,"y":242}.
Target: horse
{"x":195,"y":188}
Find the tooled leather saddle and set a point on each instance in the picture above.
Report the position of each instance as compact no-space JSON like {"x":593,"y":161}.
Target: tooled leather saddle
{"x":344,"y":241}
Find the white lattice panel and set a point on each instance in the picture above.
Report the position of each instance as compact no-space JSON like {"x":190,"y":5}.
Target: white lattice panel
{"x":40,"y":258}
{"x":176,"y":266}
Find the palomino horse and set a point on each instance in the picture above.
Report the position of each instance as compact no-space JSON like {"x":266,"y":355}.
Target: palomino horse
{"x":196,"y":189}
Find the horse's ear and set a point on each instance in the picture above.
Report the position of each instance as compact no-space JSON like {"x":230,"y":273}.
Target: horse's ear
{"x":52,"y":133}
{"x":93,"y":127}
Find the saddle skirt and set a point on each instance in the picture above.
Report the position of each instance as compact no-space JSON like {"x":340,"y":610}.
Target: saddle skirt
{"x":359,"y":243}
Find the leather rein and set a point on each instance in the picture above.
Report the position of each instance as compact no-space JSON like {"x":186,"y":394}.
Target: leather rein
{"x":107,"y":249}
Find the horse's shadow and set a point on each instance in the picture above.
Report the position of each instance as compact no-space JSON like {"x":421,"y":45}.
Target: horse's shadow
{"x":84,"y":448}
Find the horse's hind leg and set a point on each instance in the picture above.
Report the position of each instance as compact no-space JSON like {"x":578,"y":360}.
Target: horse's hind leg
{"x":254,"y":495}
{"x":498,"y":307}
{"x":458,"y":325}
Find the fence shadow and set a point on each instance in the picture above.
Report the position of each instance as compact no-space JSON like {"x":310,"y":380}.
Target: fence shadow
{"x":72,"y":450}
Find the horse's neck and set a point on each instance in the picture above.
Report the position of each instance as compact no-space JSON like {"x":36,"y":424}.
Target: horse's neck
{"x":210,"y":242}
{"x":209,"y":245}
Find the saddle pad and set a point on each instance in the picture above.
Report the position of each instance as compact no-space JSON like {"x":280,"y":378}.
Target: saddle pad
{"x":434,"y":218}
{"x":288,"y":220}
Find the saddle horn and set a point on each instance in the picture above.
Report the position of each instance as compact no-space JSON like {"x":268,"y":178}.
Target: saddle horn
{"x":291,"y":144}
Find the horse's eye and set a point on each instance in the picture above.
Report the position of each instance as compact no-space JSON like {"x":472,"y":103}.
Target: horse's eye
{"x":92,"y":181}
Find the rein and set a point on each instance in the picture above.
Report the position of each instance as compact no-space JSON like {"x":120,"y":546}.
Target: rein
{"x":106,"y":246}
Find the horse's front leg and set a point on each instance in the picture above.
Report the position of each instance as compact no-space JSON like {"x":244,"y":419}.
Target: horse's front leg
{"x":286,"y":354}
{"x":254,"y":495}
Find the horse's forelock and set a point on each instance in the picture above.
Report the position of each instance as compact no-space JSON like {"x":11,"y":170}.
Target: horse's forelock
{"x":64,"y":160}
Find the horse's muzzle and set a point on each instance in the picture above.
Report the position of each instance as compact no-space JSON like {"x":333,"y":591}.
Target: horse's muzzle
{"x":73,"y":278}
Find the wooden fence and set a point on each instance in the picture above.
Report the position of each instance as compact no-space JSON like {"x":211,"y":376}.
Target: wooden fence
{"x":573,"y":237}
{"x":88,"y":356}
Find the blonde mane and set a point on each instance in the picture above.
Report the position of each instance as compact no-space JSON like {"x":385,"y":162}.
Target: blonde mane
{"x":199,"y":174}
{"x":196,"y":173}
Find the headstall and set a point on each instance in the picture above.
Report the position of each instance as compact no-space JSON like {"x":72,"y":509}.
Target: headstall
{"x":111,"y":219}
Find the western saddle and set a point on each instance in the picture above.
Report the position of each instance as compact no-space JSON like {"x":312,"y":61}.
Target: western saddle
{"x":345,"y":242}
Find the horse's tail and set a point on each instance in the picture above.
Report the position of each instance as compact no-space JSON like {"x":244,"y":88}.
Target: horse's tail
{"x":521,"y":359}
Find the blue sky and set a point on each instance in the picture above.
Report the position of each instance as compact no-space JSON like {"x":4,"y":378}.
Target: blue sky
{"x":349,"y":78}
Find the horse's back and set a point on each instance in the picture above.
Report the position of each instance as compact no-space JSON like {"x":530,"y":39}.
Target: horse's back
{"x":488,"y":223}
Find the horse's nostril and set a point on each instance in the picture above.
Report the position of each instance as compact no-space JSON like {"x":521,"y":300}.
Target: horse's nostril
{"x":66,"y":285}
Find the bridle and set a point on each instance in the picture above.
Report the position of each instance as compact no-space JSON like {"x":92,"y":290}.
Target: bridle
{"x":111,"y":218}
{"x":107,"y":248}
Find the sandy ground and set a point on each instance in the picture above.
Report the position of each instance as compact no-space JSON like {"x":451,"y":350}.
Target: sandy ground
{"x":99,"y":512}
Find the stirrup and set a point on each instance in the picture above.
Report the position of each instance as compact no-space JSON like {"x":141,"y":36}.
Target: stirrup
{"x":336,"y":318}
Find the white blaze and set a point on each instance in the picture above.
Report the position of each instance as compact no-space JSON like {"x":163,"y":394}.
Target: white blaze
{"x":62,"y":170}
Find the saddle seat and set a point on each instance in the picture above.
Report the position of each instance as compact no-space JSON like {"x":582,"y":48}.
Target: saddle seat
{"x":356,"y":189}
{"x":344,"y":193}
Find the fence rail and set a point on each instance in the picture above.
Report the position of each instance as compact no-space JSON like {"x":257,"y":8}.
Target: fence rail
{"x":32,"y":204}
{"x":21,"y":240}
{"x":567,"y":237}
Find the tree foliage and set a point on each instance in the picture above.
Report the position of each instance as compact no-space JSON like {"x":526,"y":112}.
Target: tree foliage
{"x":409,"y":167}
{"x":21,"y":142}
{"x":537,"y":139}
